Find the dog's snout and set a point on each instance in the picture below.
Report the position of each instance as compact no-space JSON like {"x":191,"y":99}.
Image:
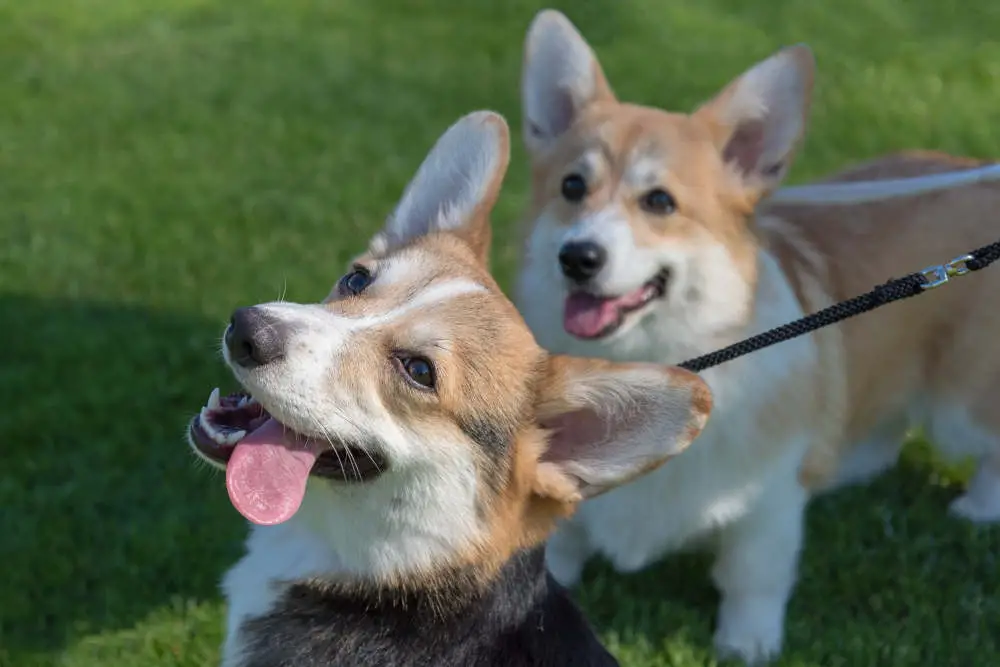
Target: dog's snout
{"x":255,"y":339}
{"x":582,"y":260}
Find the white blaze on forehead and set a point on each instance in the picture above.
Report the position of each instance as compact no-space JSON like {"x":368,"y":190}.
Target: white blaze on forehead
{"x":643,"y":170}
{"x":589,"y":165}
{"x":402,"y":268}
{"x":401,"y":273}
{"x":324,"y":322}
{"x":437,"y":292}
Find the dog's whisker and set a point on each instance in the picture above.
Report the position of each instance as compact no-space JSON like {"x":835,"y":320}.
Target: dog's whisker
{"x":354,"y":464}
{"x":326,"y":436}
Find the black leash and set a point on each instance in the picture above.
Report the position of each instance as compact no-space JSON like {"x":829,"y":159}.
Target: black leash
{"x":894,"y":290}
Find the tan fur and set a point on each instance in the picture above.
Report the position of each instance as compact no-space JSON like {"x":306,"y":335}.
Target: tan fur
{"x":939,"y":343}
{"x":730,"y":255}
{"x":619,"y":135}
{"x":869,"y":365}
{"x":487,"y":363}
{"x":535,"y":496}
{"x":470,"y":465}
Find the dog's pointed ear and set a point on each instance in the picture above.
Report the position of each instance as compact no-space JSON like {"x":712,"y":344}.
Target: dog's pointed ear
{"x":560,"y":78}
{"x":611,"y":422}
{"x":759,"y":119}
{"x":455,"y":187}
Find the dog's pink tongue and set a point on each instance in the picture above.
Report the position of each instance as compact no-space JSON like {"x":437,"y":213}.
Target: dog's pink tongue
{"x":267,"y":474}
{"x":586,"y":315}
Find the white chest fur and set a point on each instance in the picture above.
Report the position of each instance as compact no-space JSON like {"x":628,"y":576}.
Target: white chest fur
{"x":713,"y":483}
{"x":396,"y":523}
{"x":275,"y":554}
{"x":743,"y":449}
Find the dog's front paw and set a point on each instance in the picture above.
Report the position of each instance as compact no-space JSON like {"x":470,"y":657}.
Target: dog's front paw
{"x":976,"y":509}
{"x":981,"y":501}
{"x":750,"y":628}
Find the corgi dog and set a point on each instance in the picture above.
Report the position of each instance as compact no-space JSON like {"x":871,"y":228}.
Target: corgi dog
{"x":657,"y":237}
{"x":403,"y":448}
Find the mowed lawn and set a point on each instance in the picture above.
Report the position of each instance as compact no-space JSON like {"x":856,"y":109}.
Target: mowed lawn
{"x":164,"y":161}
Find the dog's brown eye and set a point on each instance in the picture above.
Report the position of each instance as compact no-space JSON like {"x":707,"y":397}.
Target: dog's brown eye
{"x":658,"y":201}
{"x":356,"y":281}
{"x":419,"y":370}
{"x":574,"y":188}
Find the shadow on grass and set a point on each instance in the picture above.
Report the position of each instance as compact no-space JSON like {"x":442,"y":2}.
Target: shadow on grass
{"x":887,"y":577}
{"x":106,"y":515}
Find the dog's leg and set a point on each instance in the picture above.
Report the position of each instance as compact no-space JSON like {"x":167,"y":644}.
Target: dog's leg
{"x":755,"y":572}
{"x":971,"y":429}
{"x":981,"y":501}
{"x":567,"y":551}
{"x":872,"y":456}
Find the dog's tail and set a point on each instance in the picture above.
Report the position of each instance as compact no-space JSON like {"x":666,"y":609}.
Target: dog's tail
{"x":859,"y":192}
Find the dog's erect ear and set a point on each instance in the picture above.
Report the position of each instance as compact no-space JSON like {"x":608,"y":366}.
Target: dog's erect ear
{"x":560,"y":77}
{"x":611,"y":422}
{"x":759,"y":119}
{"x":455,"y":187}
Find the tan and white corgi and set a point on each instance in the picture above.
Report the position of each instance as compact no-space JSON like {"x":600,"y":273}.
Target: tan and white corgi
{"x":404,"y":447}
{"x":657,"y":237}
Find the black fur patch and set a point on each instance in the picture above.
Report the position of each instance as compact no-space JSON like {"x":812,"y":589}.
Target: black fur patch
{"x":494,"y":439}
{"x":495,"y":442}
{"x":524,"y":618}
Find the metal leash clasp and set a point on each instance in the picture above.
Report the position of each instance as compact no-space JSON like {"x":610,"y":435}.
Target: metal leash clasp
{"x":940,"y":273}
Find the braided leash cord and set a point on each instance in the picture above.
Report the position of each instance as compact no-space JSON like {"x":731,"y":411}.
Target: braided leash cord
{"x":894,"y":290}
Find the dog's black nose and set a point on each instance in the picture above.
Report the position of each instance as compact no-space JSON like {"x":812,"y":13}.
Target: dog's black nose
{"x":253,"y":338}
{"x":582,"y":260}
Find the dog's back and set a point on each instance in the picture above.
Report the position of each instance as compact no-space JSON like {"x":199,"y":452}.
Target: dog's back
{"x":929,"y":360}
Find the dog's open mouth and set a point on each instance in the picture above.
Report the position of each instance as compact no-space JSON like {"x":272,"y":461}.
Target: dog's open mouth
{"x":267,"y":464}
{"x":590,"y":316}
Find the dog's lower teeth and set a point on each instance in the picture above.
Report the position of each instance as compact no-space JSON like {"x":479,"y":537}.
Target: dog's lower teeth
{"x":217,"y":436}
{"x":234,"y":437}
{"x":222,"y":435}
{"x":206,"y":425}
{"x":214,"y":402}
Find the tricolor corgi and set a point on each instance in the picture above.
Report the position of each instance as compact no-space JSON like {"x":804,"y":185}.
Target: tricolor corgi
{"x":404,"y":447}
{"x":658,"y":237}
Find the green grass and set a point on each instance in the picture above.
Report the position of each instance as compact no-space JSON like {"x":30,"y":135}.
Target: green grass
{"x":164,"y":161}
